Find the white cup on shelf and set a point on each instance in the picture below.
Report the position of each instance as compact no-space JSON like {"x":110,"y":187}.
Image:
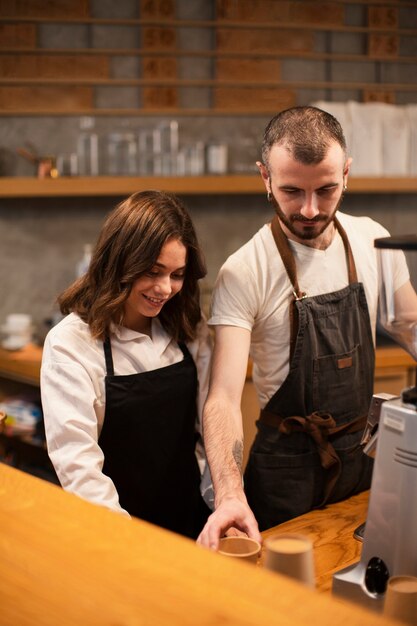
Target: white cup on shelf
{"x":18,"y":331}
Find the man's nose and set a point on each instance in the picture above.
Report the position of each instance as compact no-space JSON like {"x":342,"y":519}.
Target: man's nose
{"x":310,"y":209}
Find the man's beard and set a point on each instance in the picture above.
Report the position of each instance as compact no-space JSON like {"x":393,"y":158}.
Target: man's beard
{"x":305,"y":233}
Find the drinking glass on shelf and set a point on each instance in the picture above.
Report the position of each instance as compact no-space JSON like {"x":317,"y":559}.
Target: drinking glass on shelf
{"x":122,"y":154}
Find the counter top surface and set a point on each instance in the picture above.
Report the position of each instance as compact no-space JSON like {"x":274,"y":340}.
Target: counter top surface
{"x":65,"y":561}
{"x":24,"y":365}
{"x":331,"y":531}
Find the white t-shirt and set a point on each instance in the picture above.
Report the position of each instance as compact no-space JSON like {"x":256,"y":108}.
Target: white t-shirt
{"x":73,"y":397}
{"x":253,"y":291}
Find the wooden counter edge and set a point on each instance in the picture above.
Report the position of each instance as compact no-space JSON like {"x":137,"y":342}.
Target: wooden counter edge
{"x":67,"y":561}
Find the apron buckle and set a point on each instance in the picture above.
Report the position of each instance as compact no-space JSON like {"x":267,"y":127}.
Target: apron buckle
{"x":297,"y":297}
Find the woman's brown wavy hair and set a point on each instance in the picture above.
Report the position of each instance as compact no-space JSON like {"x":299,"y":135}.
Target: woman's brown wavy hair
{"x":129,"y":245}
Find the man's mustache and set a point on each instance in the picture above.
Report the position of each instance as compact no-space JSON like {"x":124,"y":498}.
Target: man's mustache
{"x":300,"y":218}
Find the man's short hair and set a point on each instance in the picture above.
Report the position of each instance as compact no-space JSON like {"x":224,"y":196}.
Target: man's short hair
{"x":305,"y":131}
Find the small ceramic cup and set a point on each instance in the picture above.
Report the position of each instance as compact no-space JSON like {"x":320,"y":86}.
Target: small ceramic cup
{"x":242,"y":548}
{"x":401,"y":599}
{"x":291,"y":555}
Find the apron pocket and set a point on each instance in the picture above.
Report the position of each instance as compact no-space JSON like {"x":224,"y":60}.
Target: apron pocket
{"x":338,"y":385}
{"x":282,"y":486}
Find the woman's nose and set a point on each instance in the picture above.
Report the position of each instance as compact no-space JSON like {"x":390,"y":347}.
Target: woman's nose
{"x":164,"y":285}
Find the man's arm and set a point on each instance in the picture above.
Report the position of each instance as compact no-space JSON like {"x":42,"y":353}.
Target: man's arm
{"x":223,"y":436}
{"x":406,"y":303}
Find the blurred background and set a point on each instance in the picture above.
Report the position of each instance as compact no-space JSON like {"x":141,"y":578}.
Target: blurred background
{"x":100,"y":98}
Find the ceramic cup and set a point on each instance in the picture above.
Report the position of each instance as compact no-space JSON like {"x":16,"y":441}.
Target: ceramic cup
{"x":291,"y":555}
{"x":401,"y":599}
{"x":242,"y":548}
{"x":18,"y":331}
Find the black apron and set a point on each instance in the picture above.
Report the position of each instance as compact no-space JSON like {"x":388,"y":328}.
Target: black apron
{"x":306,"y":451}
{"x":148,"y":440}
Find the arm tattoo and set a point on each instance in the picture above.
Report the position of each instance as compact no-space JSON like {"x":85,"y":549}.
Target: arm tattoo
{"x":238,"y":454}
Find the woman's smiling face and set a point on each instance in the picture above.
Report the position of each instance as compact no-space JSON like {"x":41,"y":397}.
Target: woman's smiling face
{"x":154,"y":288}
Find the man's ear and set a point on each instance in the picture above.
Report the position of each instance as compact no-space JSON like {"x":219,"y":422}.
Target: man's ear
{"x":346,"y":170}
{"x":265,"y":174}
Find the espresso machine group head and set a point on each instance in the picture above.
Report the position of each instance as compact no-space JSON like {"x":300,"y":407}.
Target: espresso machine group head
{"x":390,"y":437}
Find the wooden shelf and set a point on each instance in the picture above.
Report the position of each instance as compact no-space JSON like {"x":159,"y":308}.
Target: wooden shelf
{"x":28,"y":187}
{"x":224,"y":24}
{"x":209,"y":54}
{"x":214,"y":83}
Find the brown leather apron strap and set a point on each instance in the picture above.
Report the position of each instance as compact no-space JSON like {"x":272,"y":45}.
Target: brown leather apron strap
{"x":353,"y":277}
{"x":287,"y":256}
{"x":320,"y":426}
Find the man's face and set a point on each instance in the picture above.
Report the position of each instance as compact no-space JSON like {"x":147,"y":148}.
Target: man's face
{"x":306,"y":197}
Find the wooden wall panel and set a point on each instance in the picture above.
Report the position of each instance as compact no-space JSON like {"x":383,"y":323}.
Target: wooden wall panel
{"x":246,"y":40}
{"x":157,"y":8}
{"x":246,"y":98}
{"x":158,"y":38}
{"x":44,"y":8}
{"x":49,"y":66}
{"x":59,"y":99}
{"x":159,"y":97}
{"x":253,"y":10}
{"x":17,"y":35}
{"x":383,"y":45}
{"x":266,"y":11}
{"x":383,"y":17}
{"x":317,"y":13}
{"x":159,"y":67}
{"x":237,"y":41}
{"x":370,"y":95}
{"x":247,"y":69}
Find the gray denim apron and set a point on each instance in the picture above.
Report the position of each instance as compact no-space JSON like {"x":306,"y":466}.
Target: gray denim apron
{"x":148,"y":440}
{"x":306,"y":451}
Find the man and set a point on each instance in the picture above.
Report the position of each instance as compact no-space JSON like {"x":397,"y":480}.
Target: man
{"x":301,"y":298}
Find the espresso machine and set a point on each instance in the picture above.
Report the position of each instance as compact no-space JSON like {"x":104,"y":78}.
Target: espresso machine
{"x":390,"y":437}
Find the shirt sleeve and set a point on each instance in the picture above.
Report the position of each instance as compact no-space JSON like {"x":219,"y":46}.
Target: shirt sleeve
{"x":234,"y":296}
{"x":69,"y":405}
{"x":201,"y":351}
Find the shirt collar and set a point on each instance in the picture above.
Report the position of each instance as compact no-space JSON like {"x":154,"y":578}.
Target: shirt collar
{"x":160,"y":337}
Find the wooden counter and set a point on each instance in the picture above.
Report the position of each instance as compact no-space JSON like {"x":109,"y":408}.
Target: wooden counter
{"x":331,"y":531}
{"x":21,"y":365}
{"x":67,"y":562}
{"x":25,"y":364}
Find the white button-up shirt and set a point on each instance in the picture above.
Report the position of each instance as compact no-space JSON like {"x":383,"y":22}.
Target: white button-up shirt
{"x":73,"y":397}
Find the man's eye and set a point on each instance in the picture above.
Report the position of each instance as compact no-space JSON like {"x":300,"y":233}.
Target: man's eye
{"x":326,"y":191}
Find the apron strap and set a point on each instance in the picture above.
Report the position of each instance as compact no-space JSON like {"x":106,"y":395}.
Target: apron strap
{"x":108,"y":356}
{"x":183,"y":347}
{"x":287,"y":256}
{"x":320,"y":426}
{"x":353,"y":277}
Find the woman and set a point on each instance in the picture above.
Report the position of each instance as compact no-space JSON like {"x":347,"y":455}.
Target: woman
{"x":122,"y":374}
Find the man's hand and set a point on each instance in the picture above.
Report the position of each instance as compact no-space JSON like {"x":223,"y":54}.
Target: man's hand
{"x":231,"y":513}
